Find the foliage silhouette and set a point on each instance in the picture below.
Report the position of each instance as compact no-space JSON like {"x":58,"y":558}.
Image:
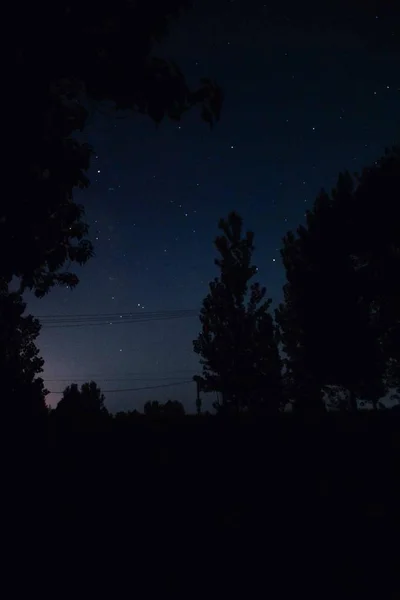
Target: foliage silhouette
{"x":124,"y":414}
{"x":375,"y":249}
{"x":88,"y":55}
{"x":339,"y":319}
{"x":82,"y":404}
{"x":237,"y":342}
{"x":20,"y":362}
{"x":169,"y":409}
{"x":203,"y":480}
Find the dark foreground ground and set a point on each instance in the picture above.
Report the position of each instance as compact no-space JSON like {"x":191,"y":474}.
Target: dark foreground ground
{"x":281,"y":508}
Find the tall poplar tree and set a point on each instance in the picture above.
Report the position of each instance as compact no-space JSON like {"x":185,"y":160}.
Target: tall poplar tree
{"x":237,"y":342}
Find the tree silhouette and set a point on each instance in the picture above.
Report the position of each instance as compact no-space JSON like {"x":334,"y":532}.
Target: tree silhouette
{"x":152,"y":408}
{"x":375,"y":250}
{"x":90,"y":56}
{"x":87,"y":402}
{"x":339,"y":320}
{"x":237,"y":342}
{"x":170,"y":409}
{"x":24,"y":393}
{"x":127,"y":417}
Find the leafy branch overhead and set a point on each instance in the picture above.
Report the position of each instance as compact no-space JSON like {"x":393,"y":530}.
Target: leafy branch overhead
{"x":92,"y":55}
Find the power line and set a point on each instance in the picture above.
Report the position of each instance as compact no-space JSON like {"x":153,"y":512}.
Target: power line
{"x":151,"y":387}
{"x":118,"y":316}
{"x":131,"y":313}
{"x":120,"y":322}
{"x":133,"y":374}
{"x":116,"y":320}
{"x":73,"y":379}
{"x":67,"y":321}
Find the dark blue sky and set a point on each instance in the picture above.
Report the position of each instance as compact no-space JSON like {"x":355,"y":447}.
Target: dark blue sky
{"x":299,"y":108}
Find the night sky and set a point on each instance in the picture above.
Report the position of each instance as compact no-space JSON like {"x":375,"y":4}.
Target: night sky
{"x":299,"y":108}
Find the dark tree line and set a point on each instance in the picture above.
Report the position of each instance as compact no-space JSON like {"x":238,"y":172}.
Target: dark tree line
{"x":84,"y":407}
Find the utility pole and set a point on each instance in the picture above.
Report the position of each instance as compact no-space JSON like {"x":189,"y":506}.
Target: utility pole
{"x":197,"y":379}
